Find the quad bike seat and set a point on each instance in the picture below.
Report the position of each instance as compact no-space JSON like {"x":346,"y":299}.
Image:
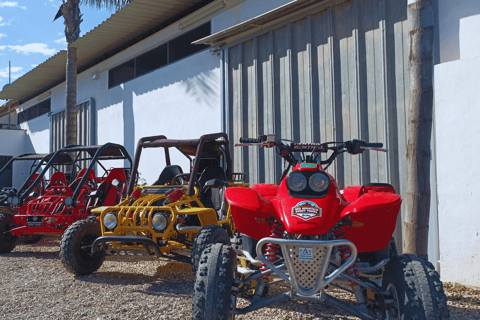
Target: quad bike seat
{"x":167,"y":174}
{"x":353,"y":193}
{"x":110,"y":192}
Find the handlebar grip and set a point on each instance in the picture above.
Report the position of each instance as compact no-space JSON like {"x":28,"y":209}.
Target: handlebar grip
{"x":374,"y":144}
{"x":249,"y":140}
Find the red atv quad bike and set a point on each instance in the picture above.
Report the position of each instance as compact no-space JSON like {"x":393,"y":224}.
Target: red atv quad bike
{"x":50,"y":209}
{"x":9,"y":203}
{"x":309,"y":233}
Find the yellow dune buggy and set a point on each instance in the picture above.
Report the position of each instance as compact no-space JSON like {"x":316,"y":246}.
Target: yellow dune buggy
{"x":168,"y":217}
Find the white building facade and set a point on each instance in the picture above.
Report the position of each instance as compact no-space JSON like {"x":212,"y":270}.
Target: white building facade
{"x":306,"y":70}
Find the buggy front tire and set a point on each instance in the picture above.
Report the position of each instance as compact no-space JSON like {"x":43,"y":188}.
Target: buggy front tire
{"x":8,"y":241}
{"x":208,"y":235}
{"x":212,"y":297}
{"x":76,"y":246}
{"x":416,"y":289}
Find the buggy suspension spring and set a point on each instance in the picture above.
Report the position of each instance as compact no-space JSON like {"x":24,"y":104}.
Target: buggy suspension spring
{"x":272,"y":249}
{"x":345,"y":253}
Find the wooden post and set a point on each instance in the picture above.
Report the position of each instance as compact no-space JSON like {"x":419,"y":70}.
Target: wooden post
{"x":419,"y":127}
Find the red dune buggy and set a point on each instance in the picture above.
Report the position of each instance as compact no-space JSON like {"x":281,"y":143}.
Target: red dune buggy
{"x":41,"y":209}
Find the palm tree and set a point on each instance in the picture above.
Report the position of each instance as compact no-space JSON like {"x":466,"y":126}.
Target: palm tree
{"x":70,"y":10}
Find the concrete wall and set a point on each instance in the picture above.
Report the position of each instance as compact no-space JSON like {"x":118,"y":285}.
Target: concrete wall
{"x":457,"y":103}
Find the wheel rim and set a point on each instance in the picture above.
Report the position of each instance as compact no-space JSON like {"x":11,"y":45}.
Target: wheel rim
{"x":86,"y":247}
{"x":392,"y":308}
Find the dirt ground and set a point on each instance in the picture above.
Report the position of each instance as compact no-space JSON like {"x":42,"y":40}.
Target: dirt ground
{"x":34,"y":285}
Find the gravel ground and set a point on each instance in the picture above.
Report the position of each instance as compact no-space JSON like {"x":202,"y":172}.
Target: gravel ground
{"x":34,"y":285}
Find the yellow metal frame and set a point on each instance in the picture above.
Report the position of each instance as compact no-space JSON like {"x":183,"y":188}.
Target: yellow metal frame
{"x":127,"y":216}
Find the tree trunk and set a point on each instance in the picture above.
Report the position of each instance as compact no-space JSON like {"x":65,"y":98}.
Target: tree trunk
{"x":419,"y":128}
{"x":71,"y":95}
{"x":71,"y":14}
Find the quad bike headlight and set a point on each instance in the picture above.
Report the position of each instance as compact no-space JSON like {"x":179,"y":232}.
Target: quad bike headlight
{"x":160,"y":221}
{"x":319,"y":182}
{"x":296,"y":181}
{"x":110,"y":220}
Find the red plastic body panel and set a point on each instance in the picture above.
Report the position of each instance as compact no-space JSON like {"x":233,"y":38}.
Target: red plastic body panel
{"x":372,"y":209}
{"x":329,"y":206}
{"x":250,"y":211}
{"x":374,"y":217}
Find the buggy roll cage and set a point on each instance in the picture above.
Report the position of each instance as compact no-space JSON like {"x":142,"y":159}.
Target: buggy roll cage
{"x":43,"y":157}
{"x":190,"y":147}
{"x":108,"y":151}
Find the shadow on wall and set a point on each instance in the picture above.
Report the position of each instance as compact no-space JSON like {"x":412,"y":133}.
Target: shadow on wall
{"x":449,"y":15}
{"x":195,"y":74}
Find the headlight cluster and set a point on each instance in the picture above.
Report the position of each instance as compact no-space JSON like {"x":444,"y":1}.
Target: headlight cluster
{"x":318,"y":182}
{"x":110,"y":220}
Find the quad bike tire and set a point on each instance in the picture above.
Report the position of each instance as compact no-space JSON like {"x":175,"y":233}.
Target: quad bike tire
{"x":212,"y":297}
{"x":416,"y":289}
{"x":8,"y":241}
{"x":208,"y":235}
{"x":75,"y":248}
{"x":31,"y":239}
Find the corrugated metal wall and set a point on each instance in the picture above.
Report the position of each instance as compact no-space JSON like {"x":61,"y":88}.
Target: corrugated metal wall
{"x":85,"y":127}
{"x":336,"y":75}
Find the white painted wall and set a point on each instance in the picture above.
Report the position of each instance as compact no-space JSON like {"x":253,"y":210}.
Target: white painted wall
{"x":457,"y":103}
{"x":13,"y":143}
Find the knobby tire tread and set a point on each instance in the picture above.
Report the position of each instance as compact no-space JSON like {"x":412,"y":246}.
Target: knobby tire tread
{"x":213,"y":283}
{"x":69,"y":254}
{"x":419,"y":289}
{"x":207,"y":235}
{"x":5,"y":222}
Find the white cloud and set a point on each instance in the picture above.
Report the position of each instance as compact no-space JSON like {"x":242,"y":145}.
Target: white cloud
{"x":34,"y":65}
{"x":2,"y":35}
{"x":2,"y":47}
{"x":33,"y":48}
{"x":61,"y":41}
{"x":4,"y":72}
{"x":11,"y":4}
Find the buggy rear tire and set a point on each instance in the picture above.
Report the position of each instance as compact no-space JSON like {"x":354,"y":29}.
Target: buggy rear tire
{"x":416,"y":289}
{"x":208,"y":235}
{"x":76,"y":245}
{"x":212,"y":296}
{"x":8,"y":241}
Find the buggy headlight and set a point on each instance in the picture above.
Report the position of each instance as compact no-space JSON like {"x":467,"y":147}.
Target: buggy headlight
{"x":296,"y":181}
{"x":13,"y":200}
{"x":68,"y":201}
{"x":319,"y":182}
{"x":110,"y":220}
{"x":159,"y":221}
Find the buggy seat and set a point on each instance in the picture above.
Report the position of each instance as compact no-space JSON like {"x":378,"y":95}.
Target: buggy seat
{"x":167,"y":174}
{"x":109,"y":193}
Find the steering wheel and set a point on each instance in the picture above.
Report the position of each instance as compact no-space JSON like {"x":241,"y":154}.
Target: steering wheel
{"x":186,"y":177}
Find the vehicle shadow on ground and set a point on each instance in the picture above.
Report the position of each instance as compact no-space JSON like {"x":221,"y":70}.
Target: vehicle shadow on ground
{"x":172,"y":278}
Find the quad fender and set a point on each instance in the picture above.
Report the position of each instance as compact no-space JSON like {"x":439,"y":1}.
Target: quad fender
{"x":374,"y":217}
{"x":250,"y":212}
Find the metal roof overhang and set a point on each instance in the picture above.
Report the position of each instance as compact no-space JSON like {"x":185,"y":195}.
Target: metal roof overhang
{"x":289,"y":12}
{"x":133,"y":21}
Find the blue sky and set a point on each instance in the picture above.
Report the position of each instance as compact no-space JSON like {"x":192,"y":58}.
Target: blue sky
{"x":28,"y":35}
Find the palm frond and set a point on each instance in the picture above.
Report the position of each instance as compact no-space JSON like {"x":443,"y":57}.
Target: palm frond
{"x":108,"y":4}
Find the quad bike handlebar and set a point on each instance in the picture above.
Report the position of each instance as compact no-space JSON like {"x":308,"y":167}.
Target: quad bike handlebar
{"x":286,"y":150}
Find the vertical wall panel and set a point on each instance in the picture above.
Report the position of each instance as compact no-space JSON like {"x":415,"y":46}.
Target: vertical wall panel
{"x":335,"y":75}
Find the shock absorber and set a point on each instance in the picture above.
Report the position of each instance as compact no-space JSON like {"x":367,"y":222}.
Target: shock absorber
{"x":272,"y":250}
{"x":345,"y":253}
